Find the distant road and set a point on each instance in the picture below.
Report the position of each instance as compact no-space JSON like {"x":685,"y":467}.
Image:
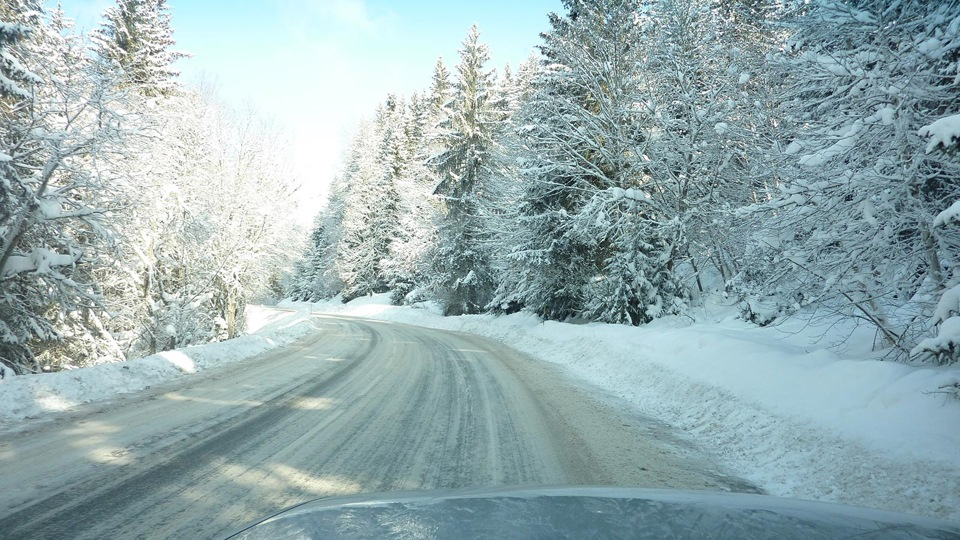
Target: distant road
{"x":361,"y":406}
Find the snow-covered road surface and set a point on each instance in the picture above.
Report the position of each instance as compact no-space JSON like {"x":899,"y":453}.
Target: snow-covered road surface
{"x":360,"y":406}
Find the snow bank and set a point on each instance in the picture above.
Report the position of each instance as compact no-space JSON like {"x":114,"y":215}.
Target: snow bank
{"x":774,"y":404}
{"x":29,"y":396}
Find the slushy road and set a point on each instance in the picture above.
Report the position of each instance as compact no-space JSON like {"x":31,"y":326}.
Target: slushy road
{"x":358,"y":406}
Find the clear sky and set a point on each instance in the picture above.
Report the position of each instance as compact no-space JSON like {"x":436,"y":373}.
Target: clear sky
{"x":317,"y":66}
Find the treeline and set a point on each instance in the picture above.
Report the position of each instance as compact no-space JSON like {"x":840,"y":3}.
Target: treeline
{"x":136,"y":215}
{"x":790,"y":155}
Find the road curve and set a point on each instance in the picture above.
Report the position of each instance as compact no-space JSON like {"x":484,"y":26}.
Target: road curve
{"x":360,"y":406}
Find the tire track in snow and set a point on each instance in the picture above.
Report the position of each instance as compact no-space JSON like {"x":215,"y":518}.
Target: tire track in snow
{"x":362,"y":407}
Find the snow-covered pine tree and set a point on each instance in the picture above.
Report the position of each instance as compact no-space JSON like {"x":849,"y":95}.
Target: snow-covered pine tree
{"x":416,"y":232}
{"x":587,"y":235}
{"x":848,"y":228}
{"x":15,"y":78}
{"x":546,"y":268}
{"x":636,"y":235}
{"x":461,"y":277}
{"x":136,"y":36}
{"x":370,"y":210}
{"x":307,"y":284}
{"x":502,"y":190}
{"x":58,"y":129}
{"x":441,"y":90}
{"x":518,"y":87}
{"x":317,"y":276}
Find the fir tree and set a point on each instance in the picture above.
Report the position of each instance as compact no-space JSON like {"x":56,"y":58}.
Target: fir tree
{"x":54,"y":140}
{"x":587,"y":229}
{"x":137,"y":37}
{"x":462,"y":279}
{"x":405,"y":266}
{"x":370,"y":211}
{"x":16,"y":20}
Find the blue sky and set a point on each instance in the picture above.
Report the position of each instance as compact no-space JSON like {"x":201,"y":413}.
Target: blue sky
{"x":317,"y":66}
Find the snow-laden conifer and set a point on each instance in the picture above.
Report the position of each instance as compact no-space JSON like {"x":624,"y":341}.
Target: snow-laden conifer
{"x":461,"y":277}
{"x":137,"y":38}
{"x":59,"y":133}
{"x":579,"y":248}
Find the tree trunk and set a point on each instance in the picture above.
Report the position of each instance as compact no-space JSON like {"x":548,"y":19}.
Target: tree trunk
{"x":933,"y":259}
{"x":231,"y":315}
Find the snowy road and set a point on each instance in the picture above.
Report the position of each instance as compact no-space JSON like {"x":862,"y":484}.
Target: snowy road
{"x":360,"y":406}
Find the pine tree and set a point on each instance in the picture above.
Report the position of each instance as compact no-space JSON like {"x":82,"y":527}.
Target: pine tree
{"x":15,"y":27}
{"x":461,"y":272}
{"x":370,"y":211}
{"x":415,"y":233}
{"x":440,"y":89}
{"x":58,"y":129}
{"x":587,"y":229}
{"x":137,"y":37}
{"x":546,"y":267}
{"x":308,"y":285}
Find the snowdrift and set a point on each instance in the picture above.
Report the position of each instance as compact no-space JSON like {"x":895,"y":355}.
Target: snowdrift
{"x":29,"y":396}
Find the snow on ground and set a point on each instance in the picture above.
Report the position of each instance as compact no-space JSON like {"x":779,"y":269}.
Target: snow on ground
{"x":29,"y":396}
{"x":786,"y":408}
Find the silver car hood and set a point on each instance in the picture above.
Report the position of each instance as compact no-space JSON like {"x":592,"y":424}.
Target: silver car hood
{"x":586,"y":512}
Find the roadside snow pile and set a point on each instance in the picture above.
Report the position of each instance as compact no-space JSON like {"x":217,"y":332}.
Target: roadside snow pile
{"x":776,"y":405}
{"x":29,"y":396}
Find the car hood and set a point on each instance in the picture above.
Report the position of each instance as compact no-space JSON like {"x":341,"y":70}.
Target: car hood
{"x":586,"y":512}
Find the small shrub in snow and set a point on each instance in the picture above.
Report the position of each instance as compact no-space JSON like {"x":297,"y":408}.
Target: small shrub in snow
{"x":761,"y":312}
{"x":952,"y":390}
{"x":944,"y":348}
